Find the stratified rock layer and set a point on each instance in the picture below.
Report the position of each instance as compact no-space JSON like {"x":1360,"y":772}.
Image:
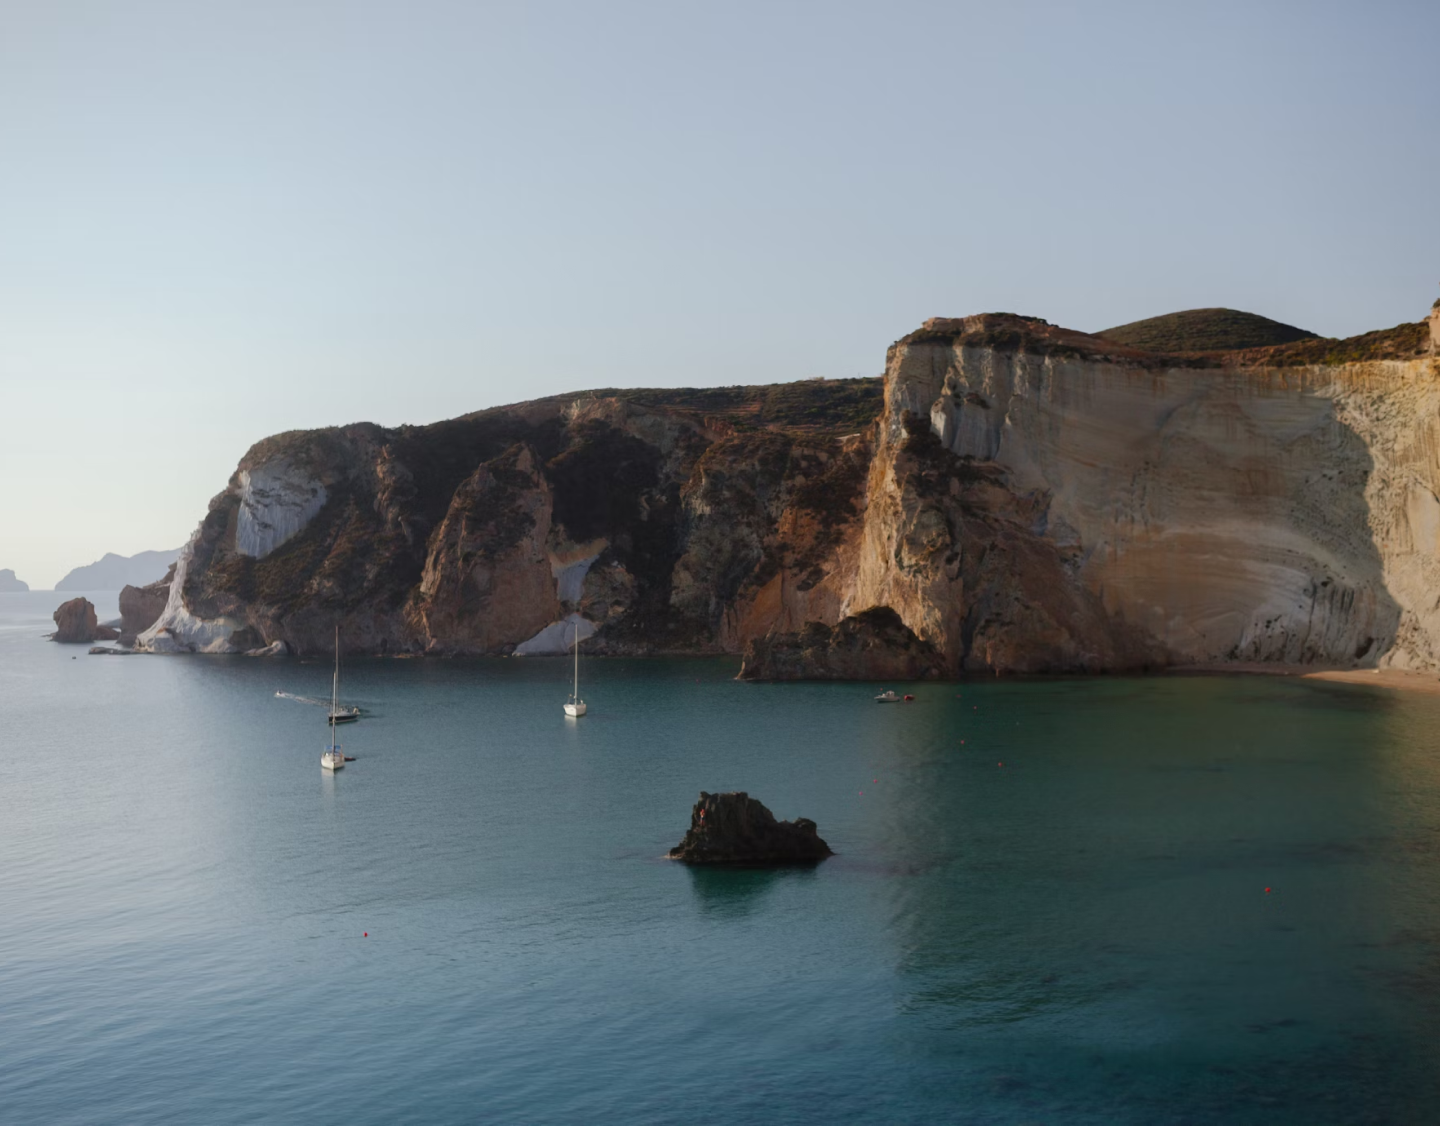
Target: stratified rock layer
{"x":76,"y":624}
{"x":735,"y":828}
{"x":1039,"y":507}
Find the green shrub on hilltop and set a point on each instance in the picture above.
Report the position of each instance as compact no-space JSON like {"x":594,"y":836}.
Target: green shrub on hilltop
{"x":1205,"y":330}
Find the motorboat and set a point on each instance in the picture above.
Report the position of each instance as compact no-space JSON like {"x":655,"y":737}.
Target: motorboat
{"x":887,"y":697}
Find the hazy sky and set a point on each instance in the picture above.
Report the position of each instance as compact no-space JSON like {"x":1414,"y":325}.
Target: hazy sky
{"x":219,"y":221}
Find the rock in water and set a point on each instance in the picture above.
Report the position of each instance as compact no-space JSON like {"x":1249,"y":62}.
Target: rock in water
{"x":736,"y":829}
{"x":76,"y":624}
{"x":873,"y":645}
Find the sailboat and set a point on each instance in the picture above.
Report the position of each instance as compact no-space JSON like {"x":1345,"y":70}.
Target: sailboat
{"x":576,"y":706}
{"x":334,"y":757}
{"x":340,"y":713}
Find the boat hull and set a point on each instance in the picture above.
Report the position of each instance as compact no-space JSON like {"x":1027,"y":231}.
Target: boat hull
{"x":332,"y":762}
{"x":575,"y":709}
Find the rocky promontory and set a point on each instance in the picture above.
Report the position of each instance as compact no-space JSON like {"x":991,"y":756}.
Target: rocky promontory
{"x":872,"y":645}
{"x":9,"y":584}
{"x":1014,"y":497}
{"x":76,"y":624}
{"x":735,"y":828}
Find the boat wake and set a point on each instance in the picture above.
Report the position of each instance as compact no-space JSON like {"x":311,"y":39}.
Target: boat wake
{"x":302,"y":699}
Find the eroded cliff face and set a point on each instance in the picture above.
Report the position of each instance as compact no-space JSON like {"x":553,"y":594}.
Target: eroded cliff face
{"x":1024,"y":499}
{"x":641,"y":522}
{"x":1045,"y":506}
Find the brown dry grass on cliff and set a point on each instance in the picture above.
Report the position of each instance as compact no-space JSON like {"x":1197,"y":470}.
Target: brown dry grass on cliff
{"x":1403,"y":342}
{"x":834,"y":406}
{"x":1007,"y":332}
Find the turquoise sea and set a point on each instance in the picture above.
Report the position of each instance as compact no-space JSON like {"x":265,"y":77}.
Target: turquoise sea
{"x":1202,"y":900}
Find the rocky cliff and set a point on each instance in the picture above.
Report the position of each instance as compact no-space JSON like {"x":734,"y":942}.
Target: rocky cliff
{"x":1041,"y":500}
{"x":141,"y":607}
{"x":646,"y":522}
{"x":1023,"y":498}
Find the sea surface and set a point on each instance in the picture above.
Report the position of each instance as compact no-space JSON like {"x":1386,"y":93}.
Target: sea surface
{"x":1163,"y":900}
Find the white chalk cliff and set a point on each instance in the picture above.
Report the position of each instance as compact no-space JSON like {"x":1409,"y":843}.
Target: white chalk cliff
{"x":1246,"y":514}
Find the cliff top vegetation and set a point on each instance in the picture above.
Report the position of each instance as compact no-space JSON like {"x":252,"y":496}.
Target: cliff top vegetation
{"x":1205,"y":330}
{"x":838,"y":406}
{"x":1403,"y":342}
{"x":1009,"y":332}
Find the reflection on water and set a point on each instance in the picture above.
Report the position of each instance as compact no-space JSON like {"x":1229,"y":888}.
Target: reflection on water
{"x":733,"y":890}
{"x":1201,"y":900}
{"x":1194,"y":898}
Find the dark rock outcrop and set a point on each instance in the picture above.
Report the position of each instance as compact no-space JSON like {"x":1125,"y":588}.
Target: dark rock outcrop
{"x":675,"y":521}
{"x":9,"y":584}
{"x":141,"y":606}
{"x":76,"y":624}
{"x":735,"y":828}
{"x":874,"y":645}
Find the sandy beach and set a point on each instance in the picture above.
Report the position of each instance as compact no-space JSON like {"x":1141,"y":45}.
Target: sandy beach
{"x":1404,"y":679}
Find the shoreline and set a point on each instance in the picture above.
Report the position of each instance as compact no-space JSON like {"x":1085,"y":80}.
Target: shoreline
{"x":1402,"y":680}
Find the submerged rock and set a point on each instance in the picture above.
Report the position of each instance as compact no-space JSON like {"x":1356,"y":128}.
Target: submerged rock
{"x":735,"y":828}
{"x":874,"y":645}
{"x":76,"y":624}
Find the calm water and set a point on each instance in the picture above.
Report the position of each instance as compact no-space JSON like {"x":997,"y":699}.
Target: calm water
{"x":1082,"y":935}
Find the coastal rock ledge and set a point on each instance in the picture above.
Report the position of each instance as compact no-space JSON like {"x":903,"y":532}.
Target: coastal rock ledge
{"x":873,"y":645}
{"x":735,"y":828}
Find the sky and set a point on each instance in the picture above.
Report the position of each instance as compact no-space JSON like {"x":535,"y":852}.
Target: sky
{"x":222,"y":221}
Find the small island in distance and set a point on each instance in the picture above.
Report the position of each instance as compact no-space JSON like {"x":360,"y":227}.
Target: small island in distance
{"x":9,"y":584}
{"x":114,"y":572}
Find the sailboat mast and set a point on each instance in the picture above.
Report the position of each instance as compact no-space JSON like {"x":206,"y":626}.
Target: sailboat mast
{"x":335,"y":688}
{"x":576,"y":691}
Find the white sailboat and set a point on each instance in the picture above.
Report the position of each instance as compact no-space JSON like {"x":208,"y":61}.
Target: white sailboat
{"x":576,"y":706}
{"x":334,"y":757}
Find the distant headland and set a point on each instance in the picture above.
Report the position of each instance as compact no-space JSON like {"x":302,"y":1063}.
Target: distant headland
{"x":113,"y":572}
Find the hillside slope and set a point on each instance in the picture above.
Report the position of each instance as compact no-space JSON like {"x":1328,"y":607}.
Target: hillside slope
{"x":1204,"y":330}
